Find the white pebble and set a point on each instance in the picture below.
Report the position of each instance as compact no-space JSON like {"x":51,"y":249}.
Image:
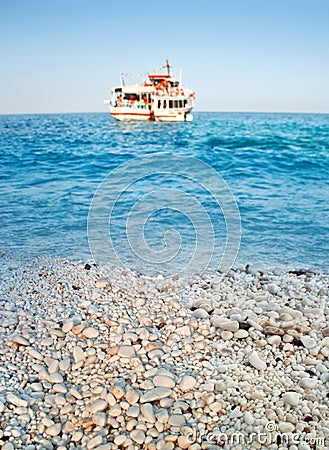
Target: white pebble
{"x":272,"y":288}
{"x":187,"y":383}
{"x":54,"y":430}
{"x":248,"y":418}
{"x":308,"y":342}
{"x":286,"y":427}
{"x":67,"y":326}
{"x":256,"y":361}
{"x":161,"y":380}
{"x":14,"y":400}
{"x":291,"y":398}
{"x":308,"y":383}
{"x":138,"y":436}
{"x":94,"y":442}
{"x":148,"y":412}
{"x":126,"y":351}
{"x":155,"y":394}
{"x":78,"y":354}
{"x":55,"y":378}
{"x":101,"y":283}
{"x":200,"y":314}
{"x":90,"y":332}
{"x":229,"y":325}
{"x":98,"y":405}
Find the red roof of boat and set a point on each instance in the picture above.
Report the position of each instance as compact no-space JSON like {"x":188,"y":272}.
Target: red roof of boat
{"x":158,"y":76}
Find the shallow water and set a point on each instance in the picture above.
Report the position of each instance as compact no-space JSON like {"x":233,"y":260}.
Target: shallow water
{"x":276,"y":165}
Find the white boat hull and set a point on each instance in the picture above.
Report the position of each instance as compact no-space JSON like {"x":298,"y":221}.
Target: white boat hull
{"x":174,"y":117}
{"x":128,"y":114}
{"x":133,"y":114}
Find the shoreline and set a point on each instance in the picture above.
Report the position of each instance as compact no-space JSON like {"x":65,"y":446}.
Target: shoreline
{"x":109,"y":361}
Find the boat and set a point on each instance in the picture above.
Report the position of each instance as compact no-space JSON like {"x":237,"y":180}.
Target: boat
{"x":161,"y":98}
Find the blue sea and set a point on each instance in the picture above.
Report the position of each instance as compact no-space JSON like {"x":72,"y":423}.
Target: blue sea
{"x":275,"y":166}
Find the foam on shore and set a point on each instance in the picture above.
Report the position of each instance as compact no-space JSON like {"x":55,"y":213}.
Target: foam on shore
{"x":96,"y":360}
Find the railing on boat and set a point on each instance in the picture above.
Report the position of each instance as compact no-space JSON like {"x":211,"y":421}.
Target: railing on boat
{"x":130,"y":104}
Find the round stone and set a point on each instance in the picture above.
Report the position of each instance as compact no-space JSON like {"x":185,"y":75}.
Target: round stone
{"x":176,"y":420}
{"x":55,"y":378}
{"x":99,"y":419}
{"x":308,"y":383}
{"x":90,"y":333}
{"x":272,"y":288}
{"x":101,"y":283}
{"x":183,"y":442}
{"x":94,"y":442}
{"x":54,"y":430}
{"x":187,"y":383}
{"x":126,"y":351}
{"x":161,"y":380}
{"x":248,"y":418}
{"x":241,"y":334}
{"x":274,"y":340}
{"x":286,"y":427}
{"x":148,"y":412}
{"x":229,"y":325}
{"x":67,"y":326}
{"x":291,"y":398}
{"x":138,"y":436}
{"x":98,"y":405}
{"x":226,"y":335}
{"x":200,"y":313}
{"x":131,"y":396}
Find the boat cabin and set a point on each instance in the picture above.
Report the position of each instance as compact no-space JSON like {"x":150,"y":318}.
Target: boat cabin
{"x":131,"y":96}
{"x":167,"y":102}
{"x":163,"y":80}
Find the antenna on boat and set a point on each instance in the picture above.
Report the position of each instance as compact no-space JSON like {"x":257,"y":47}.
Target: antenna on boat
{"x":122,"y":82}
{"x":168,"y":66}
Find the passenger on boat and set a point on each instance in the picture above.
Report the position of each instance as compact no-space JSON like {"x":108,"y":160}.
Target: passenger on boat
{"x":119,"y":101}
{"x":164,"y":85}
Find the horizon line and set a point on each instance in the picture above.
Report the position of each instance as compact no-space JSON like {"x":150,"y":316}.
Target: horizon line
{"x":197,"y":111}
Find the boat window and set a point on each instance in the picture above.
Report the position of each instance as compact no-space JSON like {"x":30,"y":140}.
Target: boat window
{"x":185,"y":102}
{"x":181,"y":103}
{"x":170,"y":103}
{"x":159,"y":104}
{"x":131,"y":97}
{"x":165,"y":103}
{"x":176,"y":103}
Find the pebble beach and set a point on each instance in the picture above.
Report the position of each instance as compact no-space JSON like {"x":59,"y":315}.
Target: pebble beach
{"x":99,"y":359}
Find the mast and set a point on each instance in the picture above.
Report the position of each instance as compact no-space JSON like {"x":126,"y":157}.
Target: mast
{"x":122,"y":83}
{"x":168,"y":67}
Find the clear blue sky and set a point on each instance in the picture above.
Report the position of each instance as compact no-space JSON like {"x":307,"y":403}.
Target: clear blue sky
{"x":238,"y":55}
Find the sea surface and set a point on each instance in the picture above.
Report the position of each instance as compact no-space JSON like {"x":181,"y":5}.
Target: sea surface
{"x":276,"y":166}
